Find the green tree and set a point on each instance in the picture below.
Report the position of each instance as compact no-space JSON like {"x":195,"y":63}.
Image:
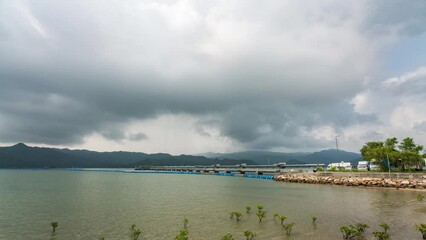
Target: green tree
{"x":249,"y":235}
{"x":276,"y":215}
{"x":422,"y":229}
{"x":260,"y":214}
{"x":313,"y":218}
{"x":248,"y":209}
{"x":259,"y":207}
{"x":382,"y":235}
{"x":227,"y":237}
{"x":282,"y":218}
{"x":238,"y":215}
{"x":136,"y":233}
{"x":420,"y":197}
{"x":288,"y":228}
{"x":54,"y":226}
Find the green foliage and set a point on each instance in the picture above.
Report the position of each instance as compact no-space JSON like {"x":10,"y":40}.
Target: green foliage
{"x":227,"y":237}
{"x":361,"y":227}
{"x":276,"y":215}
{"x":248,"y":209}
{"x":185,"y":222}
{"x":381,"y":235}
{"x":282,"y":218}
{"x":420,"y":197}
{"x":260,"y":214}
{"x":333,"y":169}
{"x":134,"y":233}
{"x":422,"y":229}
{"x":259,"y":207}
{"x":405,"y":157}
{"x":385,"y":226}
{"x":231,"y":214}
{"x":238,"y":215}
{"x":182,"y":235}
{"x":288,"y":228}
{"x":249,"y":235}
{"x":313,"y":218}
{"x":349,"y":232}
{"x":54,"y":226}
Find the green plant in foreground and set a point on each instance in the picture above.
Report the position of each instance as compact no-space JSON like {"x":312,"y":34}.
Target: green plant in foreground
{"x":238,"y":215}
{"x":385,"y":226}
{"x":182,"y":235}
{"x":276,"y":215}
{"x":313,"y":218}
{"x":185,"y":222}
{"x":260,"y":214}
{"x":54,"y":226}
{"x":381,"y":235}
{"x":361,"y":227}
{"x":227,"y":237}
{"x":248,"y":209}
{"x":422,"y":229}
{"x":288,"y":228}
{"x":136,"y":233}
{"x":349,"y":232}
{"x":249,"y":235}
{"x":420,"y":197}
{"x":282,"y":218}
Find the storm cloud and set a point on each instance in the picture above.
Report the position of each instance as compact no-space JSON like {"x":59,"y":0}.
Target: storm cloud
{"x":246,"y":74}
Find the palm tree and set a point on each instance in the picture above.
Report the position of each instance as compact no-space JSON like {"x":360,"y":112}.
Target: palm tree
{"x":276,"y":215}
{"x":54,"y":226}
{"x":313,"y":218}
{"x":288,"y":228}
{"x":385,"y":226}
{"x":382,"y":235}
{"x":422,"y":229}
{"x":249,"y":234}
{"x":227,"y":237}
{"x":349,"y":232}
{"x":248,"y":209}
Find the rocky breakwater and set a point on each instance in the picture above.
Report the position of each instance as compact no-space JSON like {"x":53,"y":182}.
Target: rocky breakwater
{"x":354,"y":181}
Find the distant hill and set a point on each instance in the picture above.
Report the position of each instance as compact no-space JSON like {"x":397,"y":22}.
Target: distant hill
{"x":23,"y":156}
{"x":261,"y":157}
{"x":330,"y":156}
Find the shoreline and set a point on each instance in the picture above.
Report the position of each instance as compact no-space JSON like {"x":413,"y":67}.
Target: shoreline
{"x":360,"y":182}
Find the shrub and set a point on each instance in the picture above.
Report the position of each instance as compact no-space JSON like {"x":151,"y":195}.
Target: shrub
{"x":422,"y":229}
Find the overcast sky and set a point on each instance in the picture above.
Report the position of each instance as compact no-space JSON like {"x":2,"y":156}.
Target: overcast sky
{"x":211,"y":76}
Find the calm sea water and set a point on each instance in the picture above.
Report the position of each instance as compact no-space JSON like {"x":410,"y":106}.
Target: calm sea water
{"x":91,"y":205}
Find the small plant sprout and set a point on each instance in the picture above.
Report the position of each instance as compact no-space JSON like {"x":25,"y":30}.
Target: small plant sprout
{"x":282,"y":218}
{"x":182,"y":235}
{"x":288,"y":228}
{"x":385,"y":227}
{"x":136,"y":233}
{"x":276,"y":215}
{"x":422,"y":229}
{"x":249,"y":235}
{"x":349,"y":232}
{"x":54,"y":226}
{"x":261,"y":214}
{"x":381,"y":235}
{"x":361,"y":227}
{"x":185,"y":222}
{"x":248,"y":209}
{"x":420,"y":197}
{"x":238,"y":215}
{"x":313,"y":218}
{"x":227,"y":237}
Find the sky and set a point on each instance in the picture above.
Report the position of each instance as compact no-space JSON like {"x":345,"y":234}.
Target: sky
{"x":188,"y":76}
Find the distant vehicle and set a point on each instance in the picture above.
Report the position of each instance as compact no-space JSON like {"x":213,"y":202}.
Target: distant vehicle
{"x":281,"y":164}
{"x":340,"y":166}
{"x":363,"y":166}
{"x":374,"y":165}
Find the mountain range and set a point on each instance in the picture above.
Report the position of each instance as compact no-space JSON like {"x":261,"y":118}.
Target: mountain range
{"x":23,"y":156}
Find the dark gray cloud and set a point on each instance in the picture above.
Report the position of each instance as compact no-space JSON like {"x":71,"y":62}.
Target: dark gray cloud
{"x":265,"y":76}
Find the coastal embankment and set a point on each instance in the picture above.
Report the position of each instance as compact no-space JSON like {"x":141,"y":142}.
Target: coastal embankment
{"x":397,"y":181}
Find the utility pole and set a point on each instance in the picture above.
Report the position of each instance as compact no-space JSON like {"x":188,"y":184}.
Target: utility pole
{"x":337,"y":148}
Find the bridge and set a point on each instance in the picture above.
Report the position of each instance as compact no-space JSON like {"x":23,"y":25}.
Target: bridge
{"x":239,"y":169}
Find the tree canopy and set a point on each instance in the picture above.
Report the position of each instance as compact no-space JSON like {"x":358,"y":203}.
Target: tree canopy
{"x":405,"y":155}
